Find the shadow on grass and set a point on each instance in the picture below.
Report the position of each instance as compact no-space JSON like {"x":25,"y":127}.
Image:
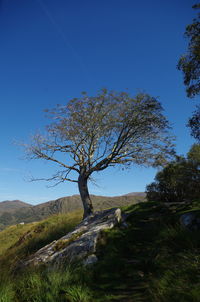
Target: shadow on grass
{"x":135,"y":259}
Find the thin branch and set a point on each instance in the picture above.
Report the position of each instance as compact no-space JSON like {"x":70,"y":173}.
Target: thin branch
{"x":40,"y":154}
{"x":53,"y":178}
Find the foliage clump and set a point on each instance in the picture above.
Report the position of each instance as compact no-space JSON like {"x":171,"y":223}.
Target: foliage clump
{"x":190,"y":62}
{"x":179,"y":181}
{"x":194,"y":124}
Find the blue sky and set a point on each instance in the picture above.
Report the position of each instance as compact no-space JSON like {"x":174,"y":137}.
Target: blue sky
{"x":51,"y":51}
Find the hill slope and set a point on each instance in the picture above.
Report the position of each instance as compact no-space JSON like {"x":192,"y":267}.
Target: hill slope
{"x":62,"y":205}
{"x":151,"y":258}
{"x":12,"y":205}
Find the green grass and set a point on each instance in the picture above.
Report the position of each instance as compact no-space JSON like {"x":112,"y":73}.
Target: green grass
{"x":42,"y":285}
{"x":32,"y":237}
{"x":152,"y":259}
{"x":11,"y":235}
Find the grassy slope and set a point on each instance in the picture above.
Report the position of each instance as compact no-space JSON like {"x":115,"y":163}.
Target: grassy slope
{"x":153,"y":259}
{"x":10,"y":235}
{"x":22,"y":240}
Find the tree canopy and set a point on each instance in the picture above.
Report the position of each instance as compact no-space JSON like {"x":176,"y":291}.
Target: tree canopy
{"x":194,"y":124}
{"x":94,"y":133}
{"x":194,"y":154}
{"x":189,"y":63}
{"x":179,"y":181}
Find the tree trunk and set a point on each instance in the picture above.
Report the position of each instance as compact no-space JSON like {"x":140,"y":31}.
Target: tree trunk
{"x":85,"y":197}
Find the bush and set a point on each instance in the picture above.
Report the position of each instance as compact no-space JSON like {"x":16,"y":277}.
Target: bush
{"x":179,"y":181}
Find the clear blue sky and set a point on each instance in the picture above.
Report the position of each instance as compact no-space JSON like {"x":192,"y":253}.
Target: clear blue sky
{"x":51,"y":51}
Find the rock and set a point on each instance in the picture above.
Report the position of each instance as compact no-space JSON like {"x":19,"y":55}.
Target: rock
{"x":141,"y":274}
{"x":90,"y":260}
{"x":79,"y":244}
{"x":124,"y":225}
{"x":191,"y":220}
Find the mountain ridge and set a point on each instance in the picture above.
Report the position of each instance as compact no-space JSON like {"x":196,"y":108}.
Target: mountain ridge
{"x":32,"y":213}
{"x":10,"y":205}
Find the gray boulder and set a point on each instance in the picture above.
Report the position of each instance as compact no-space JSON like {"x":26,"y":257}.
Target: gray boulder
{"x":191,"y":220}
{"x":79,"y":244}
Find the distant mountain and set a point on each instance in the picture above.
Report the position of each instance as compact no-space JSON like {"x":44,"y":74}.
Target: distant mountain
{"x":136,"y":194}
{"x":12,"y":205}
{"x":23,"y":212}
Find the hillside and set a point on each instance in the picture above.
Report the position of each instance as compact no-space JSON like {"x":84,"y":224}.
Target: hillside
{"x":151,"y":258}
{"x":136,"y":194}
{"x":62,"y":205}
{"x":12,"y":205}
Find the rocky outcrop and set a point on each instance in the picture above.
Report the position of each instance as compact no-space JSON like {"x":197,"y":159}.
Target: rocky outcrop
{"x":79,"y":244}
{"x":191,"y":220}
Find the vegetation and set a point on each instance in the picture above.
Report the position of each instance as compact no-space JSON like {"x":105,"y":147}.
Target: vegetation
{"x":46,"y":286}
{"x":194,"y":124}
{"x":190,"y":66}
{"x":179,"y":181}
{"x":190,"y":62}
{"x":94,"y":133}
{"x":22,"y":240}
{"x":11,"y":235}
{"x":194,"y":154}
{"x":152,"y":258}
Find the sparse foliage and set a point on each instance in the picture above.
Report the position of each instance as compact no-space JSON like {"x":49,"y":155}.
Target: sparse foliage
{"x":94,"y":133}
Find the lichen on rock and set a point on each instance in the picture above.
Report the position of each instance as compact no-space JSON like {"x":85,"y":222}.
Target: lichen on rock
{"x":80,"y":244}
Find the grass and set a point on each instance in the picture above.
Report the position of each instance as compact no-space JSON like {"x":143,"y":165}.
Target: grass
{"x":42,"y":285}
{"x":11,"y":235}
{"x":32,"y":237}
{"x":152,"y":258}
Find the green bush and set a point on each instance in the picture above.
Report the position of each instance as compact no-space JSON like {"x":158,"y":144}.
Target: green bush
{"x":179,"y":181}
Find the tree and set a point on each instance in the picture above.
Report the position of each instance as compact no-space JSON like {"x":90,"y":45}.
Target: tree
{"x":194,"y":154}
{"x":194,"y":124}
{"x":190,"y":62}
{"x":94,"y":133}
{"x":179,"y":181}
{"x":190,"y":66}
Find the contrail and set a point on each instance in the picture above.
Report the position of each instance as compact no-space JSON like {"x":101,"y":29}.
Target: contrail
{"x":64,"y":38}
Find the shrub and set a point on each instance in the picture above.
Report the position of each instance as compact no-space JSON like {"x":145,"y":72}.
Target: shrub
{"x":179,"y":181}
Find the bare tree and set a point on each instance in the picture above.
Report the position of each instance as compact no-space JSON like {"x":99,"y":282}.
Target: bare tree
{"x":101,"y":131}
